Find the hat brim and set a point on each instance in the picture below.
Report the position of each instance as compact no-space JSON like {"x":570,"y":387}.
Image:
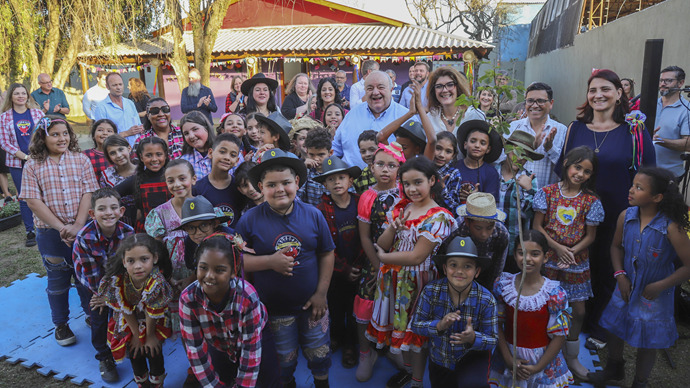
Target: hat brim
{"x":283,"y":138}
{"x":534,"y":156}
{"x":202,"y":217}
{"x":294,"y":163}
{"x":495,"y":139}
{"x":482,"y":261}
{"x":499,"y":216}
{"x":406,"y":133}
{"x":353,"y":171}
{"x":247,"y":85}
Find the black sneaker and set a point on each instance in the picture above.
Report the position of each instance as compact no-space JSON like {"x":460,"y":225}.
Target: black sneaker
{"x":64,"y":336}
{"x":108,"y":371}
{"x":30,"y":239}
{"x":399,"y":380}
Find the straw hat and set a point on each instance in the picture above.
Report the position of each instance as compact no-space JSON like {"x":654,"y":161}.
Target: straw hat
{"x":481,"y":206}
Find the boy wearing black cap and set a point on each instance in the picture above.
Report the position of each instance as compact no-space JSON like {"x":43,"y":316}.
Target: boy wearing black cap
{"x":340,"y":210}
{"x":318,"y":145}
{"x":460,"y":318}
{"x":274,"y":131}
{"x":480,"y":145}
{"x":292,"y":265}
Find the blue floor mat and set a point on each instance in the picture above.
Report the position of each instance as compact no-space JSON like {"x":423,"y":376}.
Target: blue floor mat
{"x":30,"y":341}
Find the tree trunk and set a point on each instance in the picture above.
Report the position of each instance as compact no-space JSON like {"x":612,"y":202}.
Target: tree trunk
{"x":23,"y":12}
{"x":179,"y":55}
{"x":50,"y":47}
{"x":205,"y":26}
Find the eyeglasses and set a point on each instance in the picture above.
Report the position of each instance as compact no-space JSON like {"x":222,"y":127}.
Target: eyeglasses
{"x":390,"y":166}
{"x":449,"y":86}
{"x":156,"y":110}
{"x":666,"y":80}
{"x":538,"y":101}
{"x":46,"y":82}
{"x":204,"y":227}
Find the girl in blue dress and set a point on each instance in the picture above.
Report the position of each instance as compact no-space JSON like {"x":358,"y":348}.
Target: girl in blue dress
{"x":650,"y":236}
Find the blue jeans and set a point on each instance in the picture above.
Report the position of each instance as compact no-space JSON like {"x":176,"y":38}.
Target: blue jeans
{"x":99,"y":332}
{"x":60,"y":275}
{"x":293,"y":331}
{"x":27,"y":215}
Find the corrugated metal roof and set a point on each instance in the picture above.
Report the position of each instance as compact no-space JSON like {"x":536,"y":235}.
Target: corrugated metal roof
{"x":306,"y":39}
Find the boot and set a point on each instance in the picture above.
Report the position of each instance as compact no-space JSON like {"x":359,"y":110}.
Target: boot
{"x":614,"y":371}
{"x":157,"y":381}
{"x":638,"y":384}
{"x":366,"y":365}
{"x":571,"y":351}
{"x":142,"y":381}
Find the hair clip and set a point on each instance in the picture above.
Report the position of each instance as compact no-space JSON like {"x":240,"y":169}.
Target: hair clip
{"x":46,"y":121}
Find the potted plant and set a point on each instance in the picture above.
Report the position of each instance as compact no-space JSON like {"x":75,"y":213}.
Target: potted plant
{"x":9,"y":215}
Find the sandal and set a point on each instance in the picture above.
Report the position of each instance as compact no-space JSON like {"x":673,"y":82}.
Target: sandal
{"x":349,"y":357}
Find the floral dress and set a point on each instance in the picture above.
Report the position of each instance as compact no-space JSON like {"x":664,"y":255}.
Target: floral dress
{"x":542,"y":316}
{"x":566,"y":220}
{"x":372,"y":209}
{"x":399,"y":287}
{"x":123,"y":297}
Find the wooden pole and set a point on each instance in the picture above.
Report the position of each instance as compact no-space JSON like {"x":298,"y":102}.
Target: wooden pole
{"x":84,"y":78}
{"x":161,"y":84}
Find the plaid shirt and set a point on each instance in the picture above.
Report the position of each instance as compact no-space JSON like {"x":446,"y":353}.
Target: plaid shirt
{"x":507,"y":202}
{"x":327,"y":207}
{"x":60,"y":186}
{"x":230,"y":99}
{"x":364,"y":181}
{"x":8,"y":138}
{"x":236,"y":330}
{"x":453,"y":183}
{"x":435,"y":303}
{"x":175,"y":141}
{"x":201,"y":163}
{"x":312,"y":190}
{"x":98,"y":160}
{"x":92,"y":249}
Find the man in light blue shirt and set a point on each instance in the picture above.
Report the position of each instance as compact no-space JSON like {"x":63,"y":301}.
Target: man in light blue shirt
{"x":672,"y":127}
{"x":421,"y":76}
{"x":95,"y":94}
{"x":357,"y":92}
{"x":120,"y":110}
{"x":52,"y":101}
{"x":379,"y":111}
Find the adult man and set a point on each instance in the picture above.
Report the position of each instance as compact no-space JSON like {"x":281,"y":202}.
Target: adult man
{"x":506,"y":104}
{"x":52,"y":101}
{"x":549,"y":134}
{"x":357,"y":93}
{"x":120,"y":110}
{"x":378,"y":112}
{"x":671,"y":126}
{"x":95,"y":94}
{"x":343,"y":88}
{"x":410,"y":79}
{"x":421,"y":76}
{"x":198,"y":97}
{"x":396,"y":87}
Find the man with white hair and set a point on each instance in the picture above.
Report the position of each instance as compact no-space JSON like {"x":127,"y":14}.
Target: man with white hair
{"x":198,"y":97}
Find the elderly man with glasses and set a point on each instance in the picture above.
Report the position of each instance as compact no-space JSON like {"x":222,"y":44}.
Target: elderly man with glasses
{"x":51,"y":101}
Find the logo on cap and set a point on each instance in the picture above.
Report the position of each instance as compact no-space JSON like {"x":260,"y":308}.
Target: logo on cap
{"x":462,"y":243}
{"x":191,"y":206}
{"x":330,"y":162}
{"x":273,"y":153}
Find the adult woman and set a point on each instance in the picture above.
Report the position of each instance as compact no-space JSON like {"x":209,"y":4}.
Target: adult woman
{"x":297,"y":93}
{"x":160,"y":125}
{"x":326,"y":94}
{"x":629,"y":90}
{"x":234,"y":102}
{"x":260,"y":91}
{"x":17,"y":122}
{"x":602,"y":126}
{"x":140,"y":96}
{"x":445,"y":85}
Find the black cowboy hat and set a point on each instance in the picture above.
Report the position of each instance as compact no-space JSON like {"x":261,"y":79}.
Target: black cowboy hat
{"x":277,"y":124}
{"x":278,"y":157}
{"x":495,"y":140}
{"x":258,"y":78}
{"x":334,"y":165}
{"x":199,"y":209}
{"x":414,"y":131}
{"x":462,"y":247}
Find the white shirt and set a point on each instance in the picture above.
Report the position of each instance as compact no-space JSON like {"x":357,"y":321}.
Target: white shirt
{"x":91,"y":98}
{"x":357,"y":92}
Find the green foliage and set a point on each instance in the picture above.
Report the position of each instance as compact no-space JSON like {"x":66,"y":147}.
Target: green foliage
{"x":9,"y":209}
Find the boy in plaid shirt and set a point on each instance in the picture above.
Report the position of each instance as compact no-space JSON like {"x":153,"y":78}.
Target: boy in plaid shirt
{"x":318,"y":146}
{"x":460,"y":318}
{"x":367,"y":148}
{"x":95,"y":242}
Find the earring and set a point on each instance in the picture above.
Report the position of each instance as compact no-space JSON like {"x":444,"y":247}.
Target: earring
{"x":618,"y":102}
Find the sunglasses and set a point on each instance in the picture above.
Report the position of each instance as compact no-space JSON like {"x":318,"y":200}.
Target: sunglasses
{"x":156,"y":110}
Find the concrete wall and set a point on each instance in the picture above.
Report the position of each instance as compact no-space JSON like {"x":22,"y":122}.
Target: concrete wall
{"x":618,"y":46}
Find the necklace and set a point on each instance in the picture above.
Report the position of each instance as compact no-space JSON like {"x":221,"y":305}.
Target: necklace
{"x":286,"y":210}
{"x":596,"y":142}
{"x":450,"y":121}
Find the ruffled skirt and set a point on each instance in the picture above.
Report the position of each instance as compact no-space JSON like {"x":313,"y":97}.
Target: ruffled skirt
{"x":555,"y":375}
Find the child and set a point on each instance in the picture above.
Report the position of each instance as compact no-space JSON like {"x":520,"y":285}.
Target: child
{"x":340,"y":211}
{"x":118,"y":154}
{"x":373,"y":206}
{"x":298,"y":135}
{"x":273,"y":131}
{"x":100,"y":130}
{"x":294,"y":251}
{"x":481,"y":146}
{"x":253,"y":133}
{"x":221,"y":298}
{"x":332,"y":117}
{"x":148,"y":185}
{"x":318,"y":144}
{"x":414,"y":230}
{"x":542,"y":323}
{"x":510,"y":173}
{"x":198,"y":139}
{"x":650,"y":237}
{"x":252,"y":197}
{"x":57,"y":183}
{"x":199,"y":220}
{"x":568,"y":213}
{"x":445,"y":157}
{"x":459,"y":316}
{"x":95,"y":243}
{"x":234,"y":124}
{"x":367,"y":148}
{"x":413,"y":140}
{"x":219,"y":187}
{"x":135,"y":287}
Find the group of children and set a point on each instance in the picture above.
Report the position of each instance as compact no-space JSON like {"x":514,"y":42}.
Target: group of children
{"x":251,"y":252}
